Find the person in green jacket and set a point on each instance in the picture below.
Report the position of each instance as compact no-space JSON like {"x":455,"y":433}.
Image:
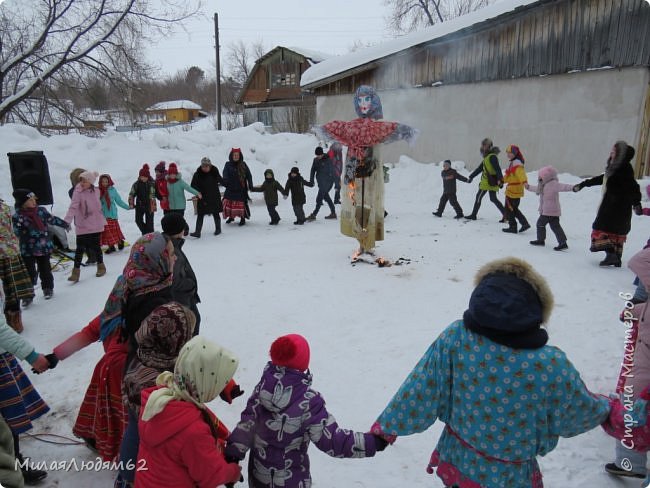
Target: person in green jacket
{"x":491,"y":178}
{"x":270,"y":188}
{"x":177,"y":187}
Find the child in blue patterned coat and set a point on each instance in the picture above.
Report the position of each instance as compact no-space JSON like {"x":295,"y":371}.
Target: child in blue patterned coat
{"x":30,"y":225}
{"x":505,"y":396}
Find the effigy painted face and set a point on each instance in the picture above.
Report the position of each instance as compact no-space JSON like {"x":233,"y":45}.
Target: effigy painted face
{"x":365,"y":103}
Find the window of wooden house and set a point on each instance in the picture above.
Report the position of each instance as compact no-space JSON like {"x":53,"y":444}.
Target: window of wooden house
{"x":265,"y":116}
{"x":284,"y":75}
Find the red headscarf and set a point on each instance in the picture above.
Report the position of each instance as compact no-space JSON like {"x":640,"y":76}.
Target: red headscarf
{"x":103,"y":192}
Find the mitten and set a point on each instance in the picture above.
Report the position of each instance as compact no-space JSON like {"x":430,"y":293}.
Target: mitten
{"x":638,"y":209}
{"x":52,"y":359}
{"x":380,"y":443}
{"x":577,"y":188}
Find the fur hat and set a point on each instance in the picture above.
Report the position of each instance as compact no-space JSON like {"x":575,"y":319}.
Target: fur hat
{"x":89,"y":176}
{"x":318,"y":151}
{"x":145,"y":171}
{"x":206,"y":161}
{"x":173,"y":223}
{"x":74,"y":175}
{"x":291,"y":351}
{"x":21,"y":195}
{"x":173,"y":169}
{"x":547,"y":173}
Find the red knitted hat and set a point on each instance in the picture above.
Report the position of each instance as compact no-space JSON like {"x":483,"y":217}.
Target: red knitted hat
{"x":145,"y":171}
{"x":173,"y":169}
{"x":292,"y":351}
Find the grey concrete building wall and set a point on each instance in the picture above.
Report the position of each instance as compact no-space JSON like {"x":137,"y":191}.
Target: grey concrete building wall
{"x":569,"y":121}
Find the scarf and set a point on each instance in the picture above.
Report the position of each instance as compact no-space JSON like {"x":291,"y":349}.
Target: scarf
{"x":104,"y":192}
{"x":111,"y":317}
{"x":35,"y":221}
{"x":202,"y":371}
{"x":148,"y":268}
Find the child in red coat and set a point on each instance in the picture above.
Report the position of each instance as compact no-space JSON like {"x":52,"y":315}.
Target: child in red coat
{"x":181,"y":440}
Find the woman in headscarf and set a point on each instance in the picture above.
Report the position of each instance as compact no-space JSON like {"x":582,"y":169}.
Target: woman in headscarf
{"x":181,"y":440}
{"x":160,"y":339}
{"x":238,"y":180}
{"x":621,"y":193}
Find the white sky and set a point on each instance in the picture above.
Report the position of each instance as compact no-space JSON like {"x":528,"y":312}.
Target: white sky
{"x":330,"y":27}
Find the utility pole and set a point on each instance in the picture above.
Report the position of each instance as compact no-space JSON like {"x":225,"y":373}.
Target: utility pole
{"x":216,"y":40}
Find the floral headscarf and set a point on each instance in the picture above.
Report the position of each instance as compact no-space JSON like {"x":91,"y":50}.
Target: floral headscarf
{"x":148,"y":268}
{"x":202,"y":371}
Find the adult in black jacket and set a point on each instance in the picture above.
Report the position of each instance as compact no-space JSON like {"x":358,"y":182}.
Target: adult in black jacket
{"x":296,"y":185}
{"x":238,"y":180}
{"x":323,"y":169}
{"x":185,"y":287}
{"x":207,"y":179}
{"x":621,"y":195}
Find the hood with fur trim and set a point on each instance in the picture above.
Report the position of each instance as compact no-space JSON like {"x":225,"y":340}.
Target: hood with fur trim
{"x":524,"y":271}
{"x":624,"y":154}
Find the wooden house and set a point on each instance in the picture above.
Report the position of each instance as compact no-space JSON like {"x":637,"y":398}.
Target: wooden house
{"x":173,"y":111}
{"x":562,"y":79}
{"x":272,"y":93}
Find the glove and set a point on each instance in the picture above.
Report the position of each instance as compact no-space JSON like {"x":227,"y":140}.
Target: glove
{"x":231,"y":459}
{"x":230,"y":392}
{"x":380,"y":443}
{"x":52,"y":359}
{"x":638,"y":209}
{"x":577,"y":188}
{"x":500,"y":184}
{"x":470,"y":179}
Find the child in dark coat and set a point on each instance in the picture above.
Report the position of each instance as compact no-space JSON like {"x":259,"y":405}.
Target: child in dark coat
{"x":30,"y":225}
{"x":270,"y":188}
{"x":449,"y":177}
{"x":283,"y":415}
{"x":142,"y":197}
{"x":296,"y":186}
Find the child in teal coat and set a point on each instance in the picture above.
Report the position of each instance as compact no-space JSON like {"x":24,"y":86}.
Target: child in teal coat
{"x":177,"y":187}
{"x":110,"y":200}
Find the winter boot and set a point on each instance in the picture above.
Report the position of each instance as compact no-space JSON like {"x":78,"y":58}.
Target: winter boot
{"x":195,"y":234}
{"x":30,"y":475}
{"x":47,"y":293}
{"x":561,"y":247}
{"x":120,"y":245}
{"x":310,"y":218}
{"x":101,"y":270}
{"x":242,"y":221}
{"x":26,"y":302}
{"x":14,"y":320}
{"x":230,"y":220}
{"x":470,"y":217}
{"x":74,"y":276}
{"x":537,"y":242}
{"x":611,"y":468}
{"x":611,"y":259}
{"x":331,"y":216}
{"x":510,"y":230}
{"x":110,"y":250}
{"x":459,"y":216}
{"x":524,"y":227}
{"x":437,"y":214}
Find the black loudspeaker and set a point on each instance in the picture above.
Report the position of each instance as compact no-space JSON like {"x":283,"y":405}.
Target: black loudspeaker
{"x":29,"y":170}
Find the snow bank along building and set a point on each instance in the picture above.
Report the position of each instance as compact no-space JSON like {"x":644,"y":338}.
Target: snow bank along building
{"x":562,"y":79}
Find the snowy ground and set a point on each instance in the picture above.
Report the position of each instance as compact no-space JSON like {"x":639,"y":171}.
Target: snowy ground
{"x":367,"y":325}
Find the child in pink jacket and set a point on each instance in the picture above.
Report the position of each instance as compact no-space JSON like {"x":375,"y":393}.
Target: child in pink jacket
{"x":86,"y":210}
{"x":549,"y":189}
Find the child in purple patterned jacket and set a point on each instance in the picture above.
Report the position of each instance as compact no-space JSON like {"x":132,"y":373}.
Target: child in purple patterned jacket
{"x":283,"y":415}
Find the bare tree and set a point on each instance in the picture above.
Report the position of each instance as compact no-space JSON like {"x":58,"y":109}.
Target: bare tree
{"x":240,"y":59}
{"x":410,"y":15}
{"x":50,"y":39}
